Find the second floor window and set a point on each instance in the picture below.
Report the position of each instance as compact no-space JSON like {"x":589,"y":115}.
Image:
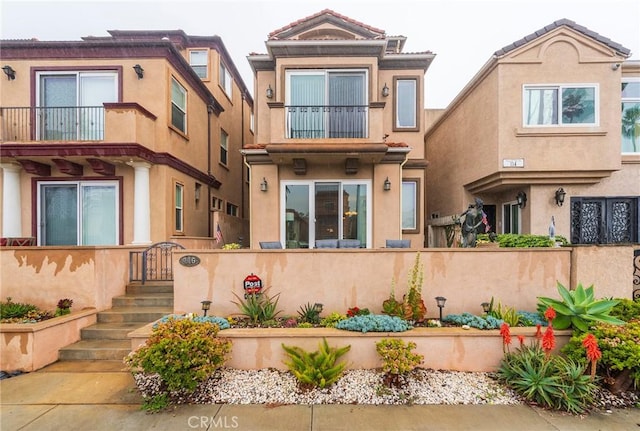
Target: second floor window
{"x":553,"y":105}
{"x":224,"y":147}
{"x":226,"y":82}
{"x":406,"y":101}
{"x":326,"y":104}
{"x":631,"y":115}
{"x":179,"y":208}
{"x":178,"y":106}
{"x":199,"y":60}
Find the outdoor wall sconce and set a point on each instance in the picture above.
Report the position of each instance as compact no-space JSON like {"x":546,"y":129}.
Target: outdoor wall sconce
{"x":206,"y":305}
{"x":521,"y":198}
{"x":560,"y":194}
{"x":485,"y":307}
{"x":269,"y":92}
{"x":8,"y":70}
{"x":385,"y":90}
{"x":264,"y":186}
{"x":197,"y":192}
{"x":440,"y":300}
{"x":387,"y":185}
{"x":139,"y":71}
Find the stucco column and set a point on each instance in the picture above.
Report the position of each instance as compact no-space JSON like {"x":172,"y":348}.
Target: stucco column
{"x":141,"y":204}
{"x":11,"y":204}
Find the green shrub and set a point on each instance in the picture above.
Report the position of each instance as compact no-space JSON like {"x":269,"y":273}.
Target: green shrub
{"x":316,"y":369}
{"x":220,"y":321}
{"x":14,"y":310}
{"x":397,"y":358}
{"x":332,"y":320}
{"x":507,"y":314}
{"x":310,"y":313}
{"x":374,"y":323}
{"x":182,"y":352}
{"x":526,"y":241}
{"x":550,"y":381}
{"x":578,"y":308}
{"x":479,"y":322}
{"x":258,"y":307}
{"x":626,"y":309}
{"x":620,"y":347}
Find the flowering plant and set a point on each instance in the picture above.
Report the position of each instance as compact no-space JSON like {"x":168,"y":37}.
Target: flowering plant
{"x":355,"y":311}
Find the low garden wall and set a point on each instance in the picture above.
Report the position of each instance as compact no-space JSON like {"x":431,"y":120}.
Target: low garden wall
{"x":31,"y":346}
{"x":443,"y":348}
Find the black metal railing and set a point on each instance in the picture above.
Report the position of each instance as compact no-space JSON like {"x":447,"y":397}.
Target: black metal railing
{"x":72,"y":123}
{"x":153,"y":264}
{"x":317,"y":122}
{"x":636,"y":275}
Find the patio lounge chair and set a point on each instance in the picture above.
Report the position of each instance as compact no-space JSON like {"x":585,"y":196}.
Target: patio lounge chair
{"x":271,"y":245}
{"x":326,"y":243}
{"x":398,"y":243}
{"x":348,"y":243}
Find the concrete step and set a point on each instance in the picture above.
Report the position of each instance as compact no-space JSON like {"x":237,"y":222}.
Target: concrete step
{"x":109,"y":331}
{"x":144,"y":300}
{"x":150,"y":287}
{"x":96,"y":349}
{"x":133,"y":314}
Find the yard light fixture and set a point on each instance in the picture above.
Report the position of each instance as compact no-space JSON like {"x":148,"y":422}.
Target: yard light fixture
{"x":139,"y":71}
{"x":206,"y":305}
{"x":485,"y":306}
{"x":521,"y":198}
{"x":440,"y":300}
{"x":560,"y":194}
{"x":8,"y":70}
{"x":264,"y":186}
{"x":269,"y":92}
{"x":387,"y":185}
{"x":385,"y":90}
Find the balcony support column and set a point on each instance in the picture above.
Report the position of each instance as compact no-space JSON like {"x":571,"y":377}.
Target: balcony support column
{"x":141,"y":204}
{"x":11,"y":203}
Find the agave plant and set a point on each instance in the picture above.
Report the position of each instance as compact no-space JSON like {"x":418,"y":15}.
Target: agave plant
{"x":578,"y":308}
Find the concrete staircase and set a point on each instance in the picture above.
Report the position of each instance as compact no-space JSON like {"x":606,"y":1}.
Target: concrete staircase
{"x":107,"y":339}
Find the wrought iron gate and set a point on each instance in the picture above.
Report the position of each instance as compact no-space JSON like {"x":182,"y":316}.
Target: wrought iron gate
{"x":153,"y":264}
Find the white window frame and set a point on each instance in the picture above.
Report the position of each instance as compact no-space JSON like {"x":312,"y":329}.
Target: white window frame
{"x":224,"y":147}
{"x":178,"y":207}
{"x":226,"y":80}
{"x":559,"y":88}
{"x":198,"y":65}
{"x":312,"y":210}
{"x":631,"y":100}
{"x":512,"y":205}
{"x":399,"y":103}
{"x":182,"y":109}
{"x":80,"y":184}
{"x":415,"y":203}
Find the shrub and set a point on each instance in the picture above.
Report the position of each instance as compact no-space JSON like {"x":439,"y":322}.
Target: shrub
{"x":310,"y":313}
{"x":479,"y":322}
{"x":258,"y":307}
{"x":332,"y":320}
{"x":355,"y":311}
{"x":12,"y":310}
{"x":526,"y":241}
{"x":231,"y":246}
{"x":182,"y":352}
{"x":626,"y":309}
{"x":220,"y":321}
{"x":507,"y":314}
{"x":397,"y":358}
{"x":578,"y":308}
{"x":620,"y":346}
{"x":316,"y":369}
{"x":374,"y":323}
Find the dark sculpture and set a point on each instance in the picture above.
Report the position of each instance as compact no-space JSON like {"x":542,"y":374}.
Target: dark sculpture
{"x":473,"y":219}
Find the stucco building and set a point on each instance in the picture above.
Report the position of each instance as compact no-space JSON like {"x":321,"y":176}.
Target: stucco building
{"x":132,"y":138}
{"x":548,"y":128}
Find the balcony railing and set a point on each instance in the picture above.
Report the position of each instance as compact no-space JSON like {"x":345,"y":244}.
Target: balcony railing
{"x":317,"y":122}
{"x":76,"y":123}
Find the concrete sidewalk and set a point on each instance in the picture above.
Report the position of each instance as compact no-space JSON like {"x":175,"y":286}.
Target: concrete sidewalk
{"x":102,"y":396}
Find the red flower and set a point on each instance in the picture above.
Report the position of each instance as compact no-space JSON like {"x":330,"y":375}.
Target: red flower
{"x":538,"y":332}
{"x":550,"y":314}
{"x":591,"y":344}
{"x":548,"y":340}
{"x":506,"y":336}
{"x":521,"y":340}
{"x":353,"y":311}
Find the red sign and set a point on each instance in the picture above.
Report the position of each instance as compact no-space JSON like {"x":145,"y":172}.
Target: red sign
{"x":252,"y":284}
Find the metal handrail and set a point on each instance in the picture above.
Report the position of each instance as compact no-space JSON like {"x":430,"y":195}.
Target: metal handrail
{"x":65,"y":123}
{"x":327,"y":121}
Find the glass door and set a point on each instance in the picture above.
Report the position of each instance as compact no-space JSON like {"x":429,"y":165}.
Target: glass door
{"x":327,"y":211}
{"x":59,"y":214}
{"x":95,"y":89}
{"x":297,"y":216}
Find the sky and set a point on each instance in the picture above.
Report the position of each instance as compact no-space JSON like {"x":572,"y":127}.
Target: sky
{"x":463,"y":34}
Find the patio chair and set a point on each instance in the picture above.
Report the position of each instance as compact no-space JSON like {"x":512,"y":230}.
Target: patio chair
{"x":326,"y":243}
{"x":270,"y":245}
{"x":398,"y":243}
{"x":349,"y":243}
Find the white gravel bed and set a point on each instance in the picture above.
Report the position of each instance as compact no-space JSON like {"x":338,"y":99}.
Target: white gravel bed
{"x":269,"y":386}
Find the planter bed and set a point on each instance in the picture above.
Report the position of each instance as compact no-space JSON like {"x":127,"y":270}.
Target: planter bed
{"x":31,"y":346}
{"x":443,"y":348}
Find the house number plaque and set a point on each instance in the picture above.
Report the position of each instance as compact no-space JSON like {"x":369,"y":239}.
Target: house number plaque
{"x":189,"y":260}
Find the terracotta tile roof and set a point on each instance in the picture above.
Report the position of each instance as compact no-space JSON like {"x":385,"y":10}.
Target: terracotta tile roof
{"x":397,"y":144}
{"x":325,"y":12}
{"x":568,"y":23}
{"x":255,"y":146}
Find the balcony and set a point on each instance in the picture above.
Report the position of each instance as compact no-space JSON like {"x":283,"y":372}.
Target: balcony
{"x":77,"y":123}
{"x":324,"y":121}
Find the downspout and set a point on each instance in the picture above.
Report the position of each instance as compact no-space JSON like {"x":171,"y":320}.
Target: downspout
{"x":242,"y":162}
{"x":209,"y":112}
